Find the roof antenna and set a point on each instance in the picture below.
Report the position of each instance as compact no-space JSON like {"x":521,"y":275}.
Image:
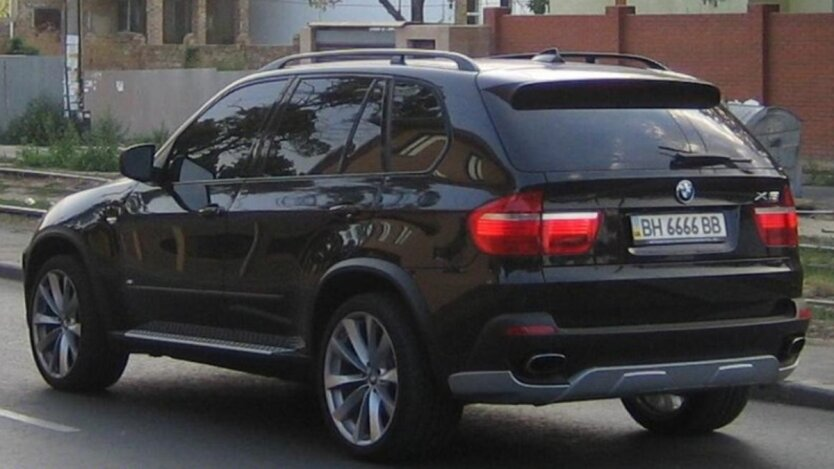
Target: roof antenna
{"x":551,"y":56}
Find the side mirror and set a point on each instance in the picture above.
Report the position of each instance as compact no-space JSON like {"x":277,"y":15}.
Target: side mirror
{"x":137,"y":162}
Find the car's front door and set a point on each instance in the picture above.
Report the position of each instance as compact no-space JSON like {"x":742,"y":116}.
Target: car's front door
{"x":174,"y":236}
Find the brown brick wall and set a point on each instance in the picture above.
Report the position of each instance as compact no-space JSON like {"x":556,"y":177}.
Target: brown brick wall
{"x":801,"y":75}
{"x":778,"y":58}
{"x":126,"y":52}
{"x":47,"y":42}
{"x":153,"y":21}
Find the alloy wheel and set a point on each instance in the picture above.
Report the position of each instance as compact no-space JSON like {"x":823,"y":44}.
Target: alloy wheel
{"x":360,"y":379}
{"x":54,"y":324}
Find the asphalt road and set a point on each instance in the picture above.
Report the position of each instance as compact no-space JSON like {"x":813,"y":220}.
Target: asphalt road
{"x":165,"y":413}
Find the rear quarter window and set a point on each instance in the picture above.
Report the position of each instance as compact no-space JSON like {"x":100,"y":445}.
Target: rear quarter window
{"x":418,"y":132}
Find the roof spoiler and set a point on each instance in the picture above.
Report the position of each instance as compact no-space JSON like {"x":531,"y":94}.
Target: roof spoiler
{"x":610,"y":93}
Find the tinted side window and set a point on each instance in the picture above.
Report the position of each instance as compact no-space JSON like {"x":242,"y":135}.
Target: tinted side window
{"x":220,"y":140}
{"x":311,"y":135}
{"x":418,"y":127}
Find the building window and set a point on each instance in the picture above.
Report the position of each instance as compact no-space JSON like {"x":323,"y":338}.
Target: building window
{"x":47,"y":19}
{"x":132,"y":16}
{"x":220,"y":21}
{"x":176,"y":22}
{"x":473,"y":11}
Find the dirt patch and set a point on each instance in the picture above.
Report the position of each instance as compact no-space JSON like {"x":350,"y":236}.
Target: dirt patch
{"x":822,"y":330}
{"x":39,"y":192}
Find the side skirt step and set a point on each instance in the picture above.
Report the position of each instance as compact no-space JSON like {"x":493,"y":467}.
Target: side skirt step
{"x":149,"y":337}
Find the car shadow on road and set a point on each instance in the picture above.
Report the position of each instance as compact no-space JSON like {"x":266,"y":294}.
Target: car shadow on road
{"x":208,"y":413}
{"x":539,"y":437}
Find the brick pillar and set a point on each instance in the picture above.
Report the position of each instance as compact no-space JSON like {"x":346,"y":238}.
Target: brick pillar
{"x":492,"y":18}
{"x":460,"y":11}
{"x":618,"y":15}
{"x":758,"y":16}
{"x":198,"y":22}
{"x":153,"y":21}
{"x":242,"y":31}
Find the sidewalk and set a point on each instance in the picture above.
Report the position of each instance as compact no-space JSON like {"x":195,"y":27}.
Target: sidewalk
{"x":15,"y":233}
{"x":819,"y":197}
{"x":811,"y":385}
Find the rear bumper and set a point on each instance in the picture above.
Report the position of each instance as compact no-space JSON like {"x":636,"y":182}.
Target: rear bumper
{"x":623,"y":381}
{"x":595,"y":363}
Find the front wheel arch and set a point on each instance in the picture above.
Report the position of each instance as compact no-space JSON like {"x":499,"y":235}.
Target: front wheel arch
{"x":63,"y":242}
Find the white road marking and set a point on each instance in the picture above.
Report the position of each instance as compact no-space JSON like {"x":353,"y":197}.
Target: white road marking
{"x":56,"y":427}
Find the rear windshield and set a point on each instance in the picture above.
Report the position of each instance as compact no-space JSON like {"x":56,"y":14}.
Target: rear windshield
{"x":620,"y":139}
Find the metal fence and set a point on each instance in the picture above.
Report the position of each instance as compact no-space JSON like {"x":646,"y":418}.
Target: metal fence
{"x":24,"y":78}
{"x":147,"y":100}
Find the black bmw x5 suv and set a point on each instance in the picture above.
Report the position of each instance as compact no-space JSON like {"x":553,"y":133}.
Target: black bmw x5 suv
{"x":412,"y":231}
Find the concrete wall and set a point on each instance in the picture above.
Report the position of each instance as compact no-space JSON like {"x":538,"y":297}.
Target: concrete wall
{"x":23,"y":79}
{"x":147,"y":100}
{"x":474,"y":41}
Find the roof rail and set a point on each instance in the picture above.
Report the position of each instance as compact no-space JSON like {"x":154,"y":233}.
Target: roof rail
{"x":397,"y":57}
{"x":590,"y":57}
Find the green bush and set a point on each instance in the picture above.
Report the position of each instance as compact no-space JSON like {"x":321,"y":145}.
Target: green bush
{"x":42,"y":122}
{"x":53,"y":141}
{"x":157,"y":136}
{"x":64,"y":150}
{"x":17,"y":46}
{"x":818,"y":174}
{"x":106,"y":130}
{"x":538,"y":7}
{"x":99,"y":153}
{"x":192,"y":58}
{"x":34,"y":157}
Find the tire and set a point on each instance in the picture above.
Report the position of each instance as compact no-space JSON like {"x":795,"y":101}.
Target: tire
{"x":695,"y":413}
{"x":414,"y":416}
{"x":66,"y":333}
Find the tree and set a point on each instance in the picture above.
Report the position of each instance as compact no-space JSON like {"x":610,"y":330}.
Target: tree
{"x":416,"y":8}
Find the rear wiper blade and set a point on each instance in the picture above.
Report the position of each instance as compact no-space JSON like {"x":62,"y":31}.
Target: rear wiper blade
{"x":687,"y":159}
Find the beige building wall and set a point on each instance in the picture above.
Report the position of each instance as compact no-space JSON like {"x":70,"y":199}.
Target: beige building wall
{"x":810,"y":6}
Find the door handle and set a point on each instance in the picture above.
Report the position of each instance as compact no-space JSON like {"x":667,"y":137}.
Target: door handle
{"x":210,"y":211}
{"x":345,"y":210}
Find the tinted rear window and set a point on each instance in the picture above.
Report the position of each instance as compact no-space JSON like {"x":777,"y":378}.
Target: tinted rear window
{"x":618,"y":139}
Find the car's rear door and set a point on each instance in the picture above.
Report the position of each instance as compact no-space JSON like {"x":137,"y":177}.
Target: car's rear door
{"x":315,"y":190}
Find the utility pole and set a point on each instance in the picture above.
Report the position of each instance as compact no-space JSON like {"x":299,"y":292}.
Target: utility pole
{"x":74,"y":81}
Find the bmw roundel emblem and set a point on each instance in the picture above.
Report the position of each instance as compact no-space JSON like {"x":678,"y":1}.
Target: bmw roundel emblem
{"x":685,"y":192}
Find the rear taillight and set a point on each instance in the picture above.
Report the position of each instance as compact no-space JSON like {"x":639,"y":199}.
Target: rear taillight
{"x":778,"y":224}
{"x":517,"y":226}
{"x":567,"y":234}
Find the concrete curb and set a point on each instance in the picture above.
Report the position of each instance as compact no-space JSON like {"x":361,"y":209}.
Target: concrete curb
{"x":11,"y":271}
{"x":23,"y":211}
{"x":796,"y":394}
{"x":51,"y":174}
